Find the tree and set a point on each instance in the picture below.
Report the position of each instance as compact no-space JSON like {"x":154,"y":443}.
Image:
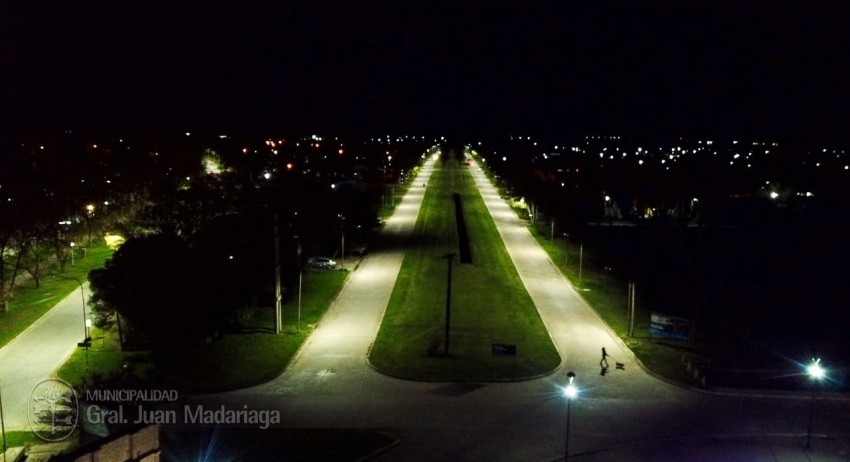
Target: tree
{"x":10,"y":255}
{"x":161,"y":292}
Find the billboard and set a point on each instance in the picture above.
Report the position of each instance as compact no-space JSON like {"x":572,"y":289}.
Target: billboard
{"x":666,"y":326}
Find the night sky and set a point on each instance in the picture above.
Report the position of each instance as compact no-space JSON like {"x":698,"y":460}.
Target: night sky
{"x":431,"y":67}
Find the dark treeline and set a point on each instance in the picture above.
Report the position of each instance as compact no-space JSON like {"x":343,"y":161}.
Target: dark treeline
{"x":207,"y":201}
{"x":745,"y":238}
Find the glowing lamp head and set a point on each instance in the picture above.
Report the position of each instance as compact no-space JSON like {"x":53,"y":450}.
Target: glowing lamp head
{"x":570,"y":391}
{"x":814,"y":370}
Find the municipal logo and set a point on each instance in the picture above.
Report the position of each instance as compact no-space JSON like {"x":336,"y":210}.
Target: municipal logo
{"x":53,"y":410}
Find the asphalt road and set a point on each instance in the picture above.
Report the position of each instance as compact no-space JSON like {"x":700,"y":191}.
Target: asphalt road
{"x":624,"y":415}
{"x":35,"y":354}
{"x":627,"y":414}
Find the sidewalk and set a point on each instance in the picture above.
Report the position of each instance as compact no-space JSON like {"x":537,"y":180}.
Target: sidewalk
{"x":36,"y":353}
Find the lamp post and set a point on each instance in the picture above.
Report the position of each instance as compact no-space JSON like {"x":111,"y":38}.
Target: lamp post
{"x":342,"y":241}
{"x":86,"y":322}
{"x":580,"y":261}
{"x":3,"y":428}
{"x":278,"y":316}
{"x":89,"y":215}
{"x":300,"y":274}
{"x":83,"y":296}
{"x":815,"y":373}
{"x":570,"y":391}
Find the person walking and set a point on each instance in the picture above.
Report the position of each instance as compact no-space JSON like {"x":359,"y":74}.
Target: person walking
{"x":604,"y":361}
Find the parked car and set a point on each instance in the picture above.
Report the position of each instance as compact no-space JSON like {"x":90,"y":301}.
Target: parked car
{"x":321,"y":262}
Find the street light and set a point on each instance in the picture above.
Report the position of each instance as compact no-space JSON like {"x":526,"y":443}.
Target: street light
{"x":570,"y":391}
{"x":580,"y":262}
{"x":815,"y":373}
{"x":86,"y":321}
{"x":342,"y":240}
{"x":89,"y":214}
{"x":3,"y":429}
{"x":300,"y":276}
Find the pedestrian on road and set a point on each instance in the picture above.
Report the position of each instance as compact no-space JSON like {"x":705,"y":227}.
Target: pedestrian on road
{"x":604,"y":361}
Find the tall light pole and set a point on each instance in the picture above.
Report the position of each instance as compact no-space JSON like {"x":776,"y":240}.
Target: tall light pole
{"x":89,"y":215}
{"x":552,"y":231}
{"x":83,"y":296}
{"x":86,"y":322}
{"x":300,"y":274}
{"x":3,"y":428}
{"x":815,"y":373}
{"x":580,"y":261}
{"x":342,"y":242}
{"x":278,"y":321}
{"x":570,"y":391}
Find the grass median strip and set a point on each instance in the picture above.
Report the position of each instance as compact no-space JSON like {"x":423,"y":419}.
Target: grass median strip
{"x":489,"y":306}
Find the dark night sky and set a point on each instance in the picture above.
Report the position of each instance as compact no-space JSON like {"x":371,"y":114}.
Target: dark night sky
{"x":431,"y":67}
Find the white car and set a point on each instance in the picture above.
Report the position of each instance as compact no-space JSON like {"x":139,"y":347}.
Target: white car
{"x":321,"y":262}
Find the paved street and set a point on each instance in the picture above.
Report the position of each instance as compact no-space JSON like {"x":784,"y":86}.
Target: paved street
{"x":36,"y":353}
{"x":624,"y":415}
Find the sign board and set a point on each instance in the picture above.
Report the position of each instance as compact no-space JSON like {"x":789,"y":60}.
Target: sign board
{"x":504,"y":350}
{"x":672,"y":327}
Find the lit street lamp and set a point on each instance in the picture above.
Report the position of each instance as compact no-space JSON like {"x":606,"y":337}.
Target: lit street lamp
{"x":580,"y":263}
{"x":815,"y":373}
{"x":86,"y":321}
{"x":570,"y":391}
{"x":300,"y":276}
{"x":342,"y":240}
{"x":89,"y":215}
{"x":3,"y":429}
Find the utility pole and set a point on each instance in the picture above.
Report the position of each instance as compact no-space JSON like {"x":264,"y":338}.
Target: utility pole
{"x":300,"y":273}
{"x":3,"y":428}
{"x":552,"y":231}
{"x":298,"y":326}
{"x":580,"y":262}
{"x":86,"y":337}
{"x":342,"y":241}
{"x":630,"y":314}
{"x":449,"y":257}
{"x":277,"y":309}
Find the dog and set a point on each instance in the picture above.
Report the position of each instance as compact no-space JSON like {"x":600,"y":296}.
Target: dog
{"x":621,"y":366}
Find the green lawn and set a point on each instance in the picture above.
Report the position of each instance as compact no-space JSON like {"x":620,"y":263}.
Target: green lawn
{"x":249,"y":357}
{"x":30,"y":303}
{"x":487,"y":307}
{"x":16,"y":439}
